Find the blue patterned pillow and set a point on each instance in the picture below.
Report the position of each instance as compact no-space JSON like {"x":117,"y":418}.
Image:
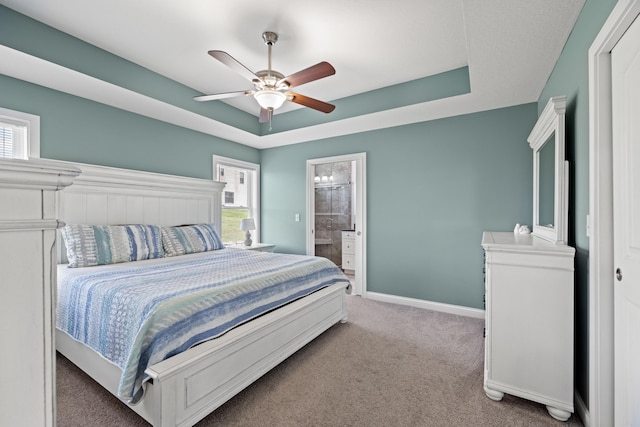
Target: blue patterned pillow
{"x":89,"y":245}
{"x":189,"y":239}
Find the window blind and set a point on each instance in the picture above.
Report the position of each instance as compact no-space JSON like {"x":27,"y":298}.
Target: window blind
{"x":13,"y":139}
{"x":6,"y":141}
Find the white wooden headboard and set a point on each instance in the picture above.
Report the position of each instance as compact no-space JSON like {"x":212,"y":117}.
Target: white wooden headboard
{"x":104,"y":195}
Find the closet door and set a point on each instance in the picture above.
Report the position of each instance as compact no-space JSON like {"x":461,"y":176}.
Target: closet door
{"x":625,"y":59}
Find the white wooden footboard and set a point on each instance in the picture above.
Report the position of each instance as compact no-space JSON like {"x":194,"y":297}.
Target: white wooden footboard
{"x":189,"y":386}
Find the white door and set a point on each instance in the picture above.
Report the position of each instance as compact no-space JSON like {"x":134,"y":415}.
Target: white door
{"x":625,"y":65}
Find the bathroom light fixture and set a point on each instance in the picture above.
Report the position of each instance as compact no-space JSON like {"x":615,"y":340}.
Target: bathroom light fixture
{"x":247,"y":225}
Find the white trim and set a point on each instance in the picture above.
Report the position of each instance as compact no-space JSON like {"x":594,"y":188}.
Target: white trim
{"x":23,"y":66}
{"x":30,"y":224}
{"x":255,"y":192}
{"x":360,"y":287}
{"x":601,"y":356}
{"x":581,"y":409}
{"x":36,"y":174}
{"x":32,"y":123}
{"x":476,"y":313}
{"x":100,"y":177}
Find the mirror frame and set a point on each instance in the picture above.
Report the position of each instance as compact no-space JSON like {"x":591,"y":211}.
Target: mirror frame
{"x":551,"y":122}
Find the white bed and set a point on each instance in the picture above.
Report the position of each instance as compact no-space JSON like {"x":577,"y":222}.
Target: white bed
{"x":187,"y":387}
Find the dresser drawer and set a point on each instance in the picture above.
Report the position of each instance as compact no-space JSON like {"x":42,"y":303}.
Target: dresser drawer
{"x":349,"y":235}
{"x":348,"y":262}
{"x":348,"y":247}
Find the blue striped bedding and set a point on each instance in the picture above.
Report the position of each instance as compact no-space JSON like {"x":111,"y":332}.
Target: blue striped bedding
{"x":139,"y":313}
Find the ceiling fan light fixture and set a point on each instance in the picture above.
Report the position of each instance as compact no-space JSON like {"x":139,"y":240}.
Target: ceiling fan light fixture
{"x":270,"y":99}
{"x":271,"y":88}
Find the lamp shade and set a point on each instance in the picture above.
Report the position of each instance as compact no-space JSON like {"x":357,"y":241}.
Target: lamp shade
{"x":247,"y":224}
{"x":270,"y":99}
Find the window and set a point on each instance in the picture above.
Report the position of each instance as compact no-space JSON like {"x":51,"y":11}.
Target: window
{"x":19,"y":134}
{"x":6,"y":141}
{"x":240,"y":197}
{"x":228,"y":197}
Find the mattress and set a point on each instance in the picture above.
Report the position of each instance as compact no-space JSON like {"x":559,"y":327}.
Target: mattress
{"x":139,"y":313}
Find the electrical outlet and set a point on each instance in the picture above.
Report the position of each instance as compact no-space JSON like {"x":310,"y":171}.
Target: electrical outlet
{"x":297,"y":217}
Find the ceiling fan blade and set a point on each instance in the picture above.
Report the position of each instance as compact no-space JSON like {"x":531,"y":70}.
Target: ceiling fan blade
{"x":265,"y":115}
{"x":310,"y":102}
{"x":222,"y":95}
{"x":232,"y":63}
{"x":315,"y":72}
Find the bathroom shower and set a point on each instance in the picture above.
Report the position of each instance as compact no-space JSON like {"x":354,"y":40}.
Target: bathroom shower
{"x":334,"y":213}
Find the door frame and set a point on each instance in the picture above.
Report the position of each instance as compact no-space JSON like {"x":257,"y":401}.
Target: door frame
{"x":360,"y":286}
{"x":601,"y":270}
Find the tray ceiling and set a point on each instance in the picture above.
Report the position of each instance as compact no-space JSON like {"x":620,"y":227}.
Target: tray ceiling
{"x":509,"y":47}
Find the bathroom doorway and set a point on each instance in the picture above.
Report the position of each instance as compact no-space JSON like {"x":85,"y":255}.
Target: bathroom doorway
{"x":336,"y":214}
{"x":334,"y":211}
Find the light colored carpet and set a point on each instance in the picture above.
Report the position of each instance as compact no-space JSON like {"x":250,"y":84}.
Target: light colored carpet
{"x":390,"y":365}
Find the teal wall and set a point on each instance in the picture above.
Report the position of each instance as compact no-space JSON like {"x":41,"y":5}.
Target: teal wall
{"x":570,"y":77}
{"x":27,"y":35}
{"x":443,"y":85}
{"x":458,"y":176}
{"x":80,"y":130}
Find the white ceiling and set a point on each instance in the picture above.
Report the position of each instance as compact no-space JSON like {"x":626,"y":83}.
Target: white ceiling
{"x":510,"y":47}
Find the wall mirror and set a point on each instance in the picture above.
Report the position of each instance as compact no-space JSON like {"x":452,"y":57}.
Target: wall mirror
{"x":550,"y":173}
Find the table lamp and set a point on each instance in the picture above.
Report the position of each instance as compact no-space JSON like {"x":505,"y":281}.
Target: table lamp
{"x":247,"y":225}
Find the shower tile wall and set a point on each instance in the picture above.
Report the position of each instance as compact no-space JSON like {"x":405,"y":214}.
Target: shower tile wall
{"x":333,"y":208}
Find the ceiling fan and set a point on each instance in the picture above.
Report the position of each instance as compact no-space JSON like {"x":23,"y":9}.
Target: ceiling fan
{"x":271,"y":87}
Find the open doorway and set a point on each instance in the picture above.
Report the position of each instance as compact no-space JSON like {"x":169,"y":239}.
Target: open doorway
{"x":336,"y":214}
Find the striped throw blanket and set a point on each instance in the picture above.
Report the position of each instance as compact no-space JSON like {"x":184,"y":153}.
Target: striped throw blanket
{"x":140,"y":313}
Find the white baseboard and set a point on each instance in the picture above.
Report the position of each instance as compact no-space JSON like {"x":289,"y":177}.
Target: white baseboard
{"x":581,"y":409}
{"x":429,"y":305}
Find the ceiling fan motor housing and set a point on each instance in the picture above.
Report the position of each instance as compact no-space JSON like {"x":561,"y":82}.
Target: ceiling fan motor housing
{"x":270,"y":38}
{"x":269,"y":80}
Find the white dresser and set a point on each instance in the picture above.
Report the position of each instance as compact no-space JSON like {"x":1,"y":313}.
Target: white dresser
{"x":349,"y":251}
{"x":529,"y":320}
{"x":27,"y":261}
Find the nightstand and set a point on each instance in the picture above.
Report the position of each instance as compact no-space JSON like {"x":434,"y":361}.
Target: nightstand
{"x":261,"y":247}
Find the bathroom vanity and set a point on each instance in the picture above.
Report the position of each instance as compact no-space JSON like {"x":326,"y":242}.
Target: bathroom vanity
{"x":349,"y":250}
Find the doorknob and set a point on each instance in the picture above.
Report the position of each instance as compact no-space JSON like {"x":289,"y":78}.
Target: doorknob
{"x":358,"y":233}
{"x":619,"y":274}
